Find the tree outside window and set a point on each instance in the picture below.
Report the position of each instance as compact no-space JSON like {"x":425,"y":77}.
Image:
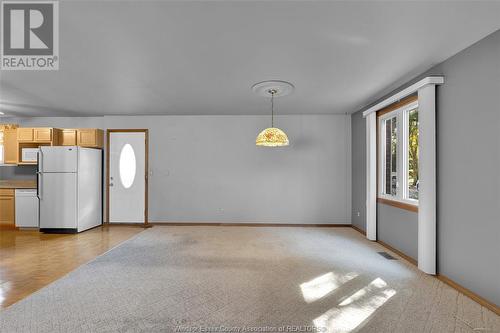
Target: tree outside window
{"x":413,"y":154}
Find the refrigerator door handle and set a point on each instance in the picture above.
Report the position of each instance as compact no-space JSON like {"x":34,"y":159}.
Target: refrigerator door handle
{"x":39,"y":174}
{"x":40,"y":160}
{"x":39,"y":185}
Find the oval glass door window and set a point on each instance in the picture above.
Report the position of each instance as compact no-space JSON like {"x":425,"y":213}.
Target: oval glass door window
{"x":127,"y":165}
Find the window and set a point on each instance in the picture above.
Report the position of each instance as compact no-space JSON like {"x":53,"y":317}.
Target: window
{"x":127,"y":166}
{"x":391,"y":156}
{"x":398,"y":154}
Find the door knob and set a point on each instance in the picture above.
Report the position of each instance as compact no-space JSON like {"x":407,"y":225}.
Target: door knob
{"x":110,"y":184}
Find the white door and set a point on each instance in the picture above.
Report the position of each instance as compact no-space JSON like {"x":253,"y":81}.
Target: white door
{"x":127,"y":177}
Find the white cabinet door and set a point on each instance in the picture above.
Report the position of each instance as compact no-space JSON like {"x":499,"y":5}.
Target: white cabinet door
{"x":127,"y":182}
{"x":58,"y":204}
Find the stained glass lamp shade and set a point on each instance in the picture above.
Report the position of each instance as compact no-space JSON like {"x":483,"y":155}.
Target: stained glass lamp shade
{"x":272,"y":137}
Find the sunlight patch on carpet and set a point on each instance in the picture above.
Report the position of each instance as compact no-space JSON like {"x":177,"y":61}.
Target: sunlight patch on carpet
{"x":355,"y":309}
{"x":322,"y":285}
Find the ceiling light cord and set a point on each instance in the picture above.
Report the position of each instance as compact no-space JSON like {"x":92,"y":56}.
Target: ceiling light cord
{"x":272,"y":108}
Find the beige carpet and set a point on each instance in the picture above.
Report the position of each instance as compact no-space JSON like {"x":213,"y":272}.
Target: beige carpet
{"x":253,"y":279}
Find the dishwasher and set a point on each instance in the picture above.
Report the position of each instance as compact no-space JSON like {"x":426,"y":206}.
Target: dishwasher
{"x":26,"y":208}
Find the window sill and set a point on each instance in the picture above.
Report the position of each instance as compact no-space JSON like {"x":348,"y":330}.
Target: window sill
{"x":399,"y":204}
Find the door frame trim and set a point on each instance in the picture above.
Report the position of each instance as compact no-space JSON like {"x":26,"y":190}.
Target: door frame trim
{"x":146,"y":167}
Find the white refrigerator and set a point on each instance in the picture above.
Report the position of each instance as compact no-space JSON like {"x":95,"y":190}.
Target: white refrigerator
{"x":69,"y":188}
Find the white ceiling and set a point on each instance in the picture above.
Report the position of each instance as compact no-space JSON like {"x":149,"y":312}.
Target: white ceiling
{"x":164,"y":57}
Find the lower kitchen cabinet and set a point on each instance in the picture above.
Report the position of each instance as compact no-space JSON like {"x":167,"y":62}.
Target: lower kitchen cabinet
{"x":7,"y":208}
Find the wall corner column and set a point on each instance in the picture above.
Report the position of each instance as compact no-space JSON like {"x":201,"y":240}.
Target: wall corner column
{"x":427,"y":227}
{"x":371,"y":176}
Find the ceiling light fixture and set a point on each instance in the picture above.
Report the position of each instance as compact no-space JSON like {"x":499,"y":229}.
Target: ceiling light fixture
{"x":272,"y":136}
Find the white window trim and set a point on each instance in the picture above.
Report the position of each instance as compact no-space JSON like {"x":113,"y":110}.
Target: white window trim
{"x":429,"y":80}
{"x":402,"y":160}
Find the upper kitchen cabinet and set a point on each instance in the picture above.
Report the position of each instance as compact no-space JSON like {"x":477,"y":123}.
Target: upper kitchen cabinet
{"x":84,"y":137}
{"x":38,"y":134}
{"x":68,"y":137}
{"x":42,"y":134}
{"x":25,"y":134}
{"x":90,"y":137}
{"x":8,"y":139}
{"x":20,"y":144}
{"x":30,"y":138}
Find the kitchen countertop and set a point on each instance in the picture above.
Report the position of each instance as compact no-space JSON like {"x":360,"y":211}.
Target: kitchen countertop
{"x":17,"y":184}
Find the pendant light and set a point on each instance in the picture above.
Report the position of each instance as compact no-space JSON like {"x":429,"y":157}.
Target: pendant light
{"x":272,"y":136}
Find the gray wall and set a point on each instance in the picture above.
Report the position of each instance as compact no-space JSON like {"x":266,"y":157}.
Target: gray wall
{"x":398,"y":228}
{"x":208,"y":169}
{"x":358,"y":171}
{"x":468,"y":168}
{"x":22,"y":172}
{"x":468,"y":147}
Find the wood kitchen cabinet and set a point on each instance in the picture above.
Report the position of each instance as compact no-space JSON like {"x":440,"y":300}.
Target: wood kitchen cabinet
{"x":17,"y":139}
{"x":42,"y":134}
{"x":10,"y":146}
{"x":84,"y":137}
{"x":25,"y":134}
{"x":90,"y":137}
{"x":7,"y":208}
{"x":37,"y":134}
{"x":68,"y":137}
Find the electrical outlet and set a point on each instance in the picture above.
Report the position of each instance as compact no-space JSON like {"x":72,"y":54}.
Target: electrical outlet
{"x":358,"y":214}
